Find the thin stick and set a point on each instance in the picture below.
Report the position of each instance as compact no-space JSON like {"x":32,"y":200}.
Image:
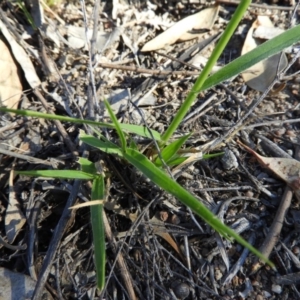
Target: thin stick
{"x":30,"y":159}
{"x":55,"y":240}
{"x":147,"y":71}
{"x":92,"y":94}
{"x":12,"y":247}
{"x":120,"y":259}
{"x":276,"y":227}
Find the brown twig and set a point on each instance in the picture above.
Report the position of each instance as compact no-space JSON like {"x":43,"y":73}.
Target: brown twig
{"x":147,"y":71}
{"x":28,"y":158}
{"x":55,"y":240}
{"x":120,"y":260}
{"x":92,"y":94}
{"x":276,"y":227}
{"x":12,"y":247}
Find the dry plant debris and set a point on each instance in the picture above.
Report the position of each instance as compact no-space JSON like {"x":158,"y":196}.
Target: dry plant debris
{"x":155,"y":248}
{"x":260,"y":76}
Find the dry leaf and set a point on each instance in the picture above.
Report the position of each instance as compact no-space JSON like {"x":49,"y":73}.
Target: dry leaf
{"x":85,"y":204}
{"x":21,"y":57}
{"x":160,"y":229}
{"x":287,"y":169}
{"x":182,"y":30}
{"x":259,"y":76}
{"x":18,"y":286}
{"x":14,"y":218}
{"x":10,"y":83}
{"x":77,"y":38}
{"x":114,"y":205}
{"x":192,"y":157}
{"x":266,"y":32}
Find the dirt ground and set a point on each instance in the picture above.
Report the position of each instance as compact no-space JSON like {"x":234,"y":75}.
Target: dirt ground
{"x":155,"y":247}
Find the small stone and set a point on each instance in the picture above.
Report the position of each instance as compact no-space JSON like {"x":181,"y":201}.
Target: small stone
{"x":181,"y":290}
{"x":218,"y":274}
{"x":266,"y":294}
{"x":235,"y":281}
{"x":163,"y":215}
{"x":276,"y":288}
{"x":249,"y":193}
{"x":296,"y":250}
{"x":259,"y":297}
{"x":175,"y":220}
{"x":229,"y":160}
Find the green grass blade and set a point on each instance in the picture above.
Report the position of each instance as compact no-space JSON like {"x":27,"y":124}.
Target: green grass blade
{"x":212,"y":155}
{"x":139,"y":130}
{"x":161,"y":179}
{"x":105,"y":146}
{"x":61,"y":174}
{"x":98,"y":193}
{"x":28,"y":16}
{"x":133,"y":144}
{"x":117,"y":125}
{"x":179,"y":159}
{"x":263,"y":51}
{"x":170,"y":150}
{"x":218,"y":50}
{"x":176,"y":160}
{"x":87,"y":166}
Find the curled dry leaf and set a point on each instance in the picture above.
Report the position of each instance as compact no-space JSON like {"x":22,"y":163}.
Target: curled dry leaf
{"x":287,"y":169}
{"x":160,"y":229}
{"x":183,"y":30}
{"x":21,"y":57}
{"x":117,"y":208}
{"x":10,"y":83}
{"x":260,"y":76}
{"x":77,"y":38}
{"x":18,"y":286}
{"x":266,"y":32}
{"x":14,"y":218}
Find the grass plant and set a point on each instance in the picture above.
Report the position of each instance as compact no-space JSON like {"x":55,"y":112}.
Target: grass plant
{"x":169,"y":151}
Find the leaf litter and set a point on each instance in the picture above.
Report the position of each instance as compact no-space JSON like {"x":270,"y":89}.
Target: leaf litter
{"x":208,"y":266}
{"x":263,"y":73}
{"x":285,"y":168}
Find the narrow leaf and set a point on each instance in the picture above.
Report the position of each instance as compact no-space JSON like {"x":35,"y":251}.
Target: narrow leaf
{"x":139,"y":130}
{"x":261,"y":75}
{"x":217,"y":52}
{"x":107,"y":147}
{"x":117,"y":125}
{"x":160,"y":178}
{"x":176,"y":160}
{"x":267,"y":49}
{"x":87,"y":166}
{"x":98,"y":193}
{"x":169,"y":151}
{"x":62,"y":174}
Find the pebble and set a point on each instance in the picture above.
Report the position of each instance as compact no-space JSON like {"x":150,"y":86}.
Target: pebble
{"x":276,"y":288}
{"x":181,"y":290}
